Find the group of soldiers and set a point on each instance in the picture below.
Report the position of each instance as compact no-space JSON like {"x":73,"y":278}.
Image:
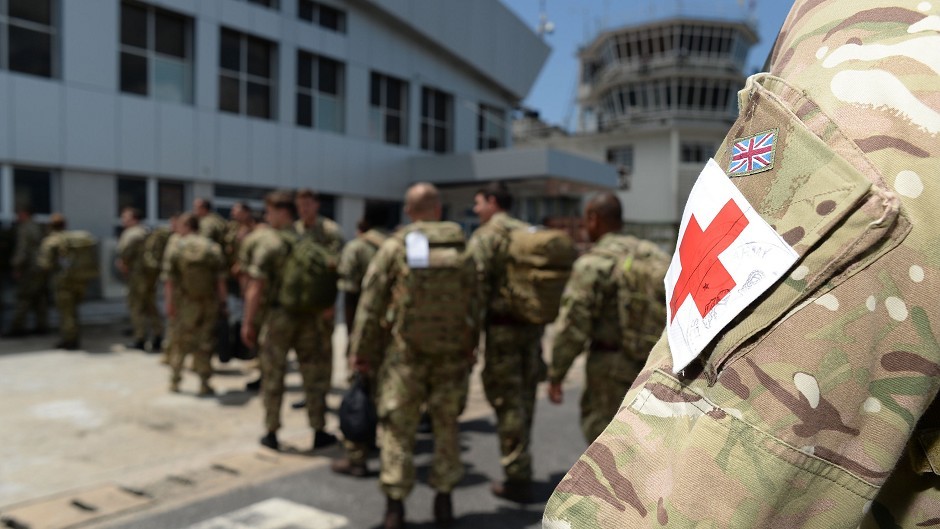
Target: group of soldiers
{"x":414,"y":335}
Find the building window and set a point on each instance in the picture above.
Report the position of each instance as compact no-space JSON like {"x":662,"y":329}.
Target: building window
{"x":436,"y":121}
{"x":170,"y":199}
{"x":246,"y":74}
{"x":156,"y":53}
{"x":28,"y":36}
{"x":622,"y":158}
{"x":491,"y":128}
{"x":388,"y":116}
{"x":272,"y":4}
{"x":696,"y":152}
{"x":33,"y":188}
{"x":132,"y":193}
{"x":320,"y":92}
{"x":322,"y":15}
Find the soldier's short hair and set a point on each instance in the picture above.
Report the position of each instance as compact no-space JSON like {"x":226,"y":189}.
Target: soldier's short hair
{"x":306,"y":192}
{"x":499,"y":192}
{"x":204,"y":202}
{"x":281,"y":200}
{"x":422,"y":198}
{"x":136,"y":213}
{"x":57,"y":222}
{"x":607,"y":207}
{"x":190,"y":221}
{"x":376,"y":216}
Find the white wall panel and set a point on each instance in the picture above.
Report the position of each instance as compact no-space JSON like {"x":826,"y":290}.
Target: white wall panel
{"x":90,"y":123}
{"x":36,"y":119}
{"x":137,"y":125}
{"x":176,"y":140}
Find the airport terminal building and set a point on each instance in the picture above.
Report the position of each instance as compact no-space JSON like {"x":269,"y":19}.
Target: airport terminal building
{"x":109,"y":103}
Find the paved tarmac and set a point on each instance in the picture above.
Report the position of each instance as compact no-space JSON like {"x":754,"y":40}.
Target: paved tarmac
{"x":94,"y":436}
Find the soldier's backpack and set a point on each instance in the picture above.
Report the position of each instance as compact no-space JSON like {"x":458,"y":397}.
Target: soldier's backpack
{"x":538,"y":265}
{"x":154,"y":248}
{"x":78,"y":260}
{"x":308,"y":279}
{"x":199,"y":267}
{"x":639,"y":269}
{"x":432,"y":297}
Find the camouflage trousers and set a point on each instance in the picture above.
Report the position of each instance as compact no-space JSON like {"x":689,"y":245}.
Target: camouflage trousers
{"x":68,"y":296}
{"x":31,"y":298}
{"x":513,"y":369}
{"x":193,"y":334}
{"x":407,"y":381}
{"x":608,"y":376}
{"x":142,"y":304}
{"x":311,"y":338}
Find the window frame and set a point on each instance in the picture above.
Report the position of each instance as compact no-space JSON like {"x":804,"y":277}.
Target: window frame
{"x":152,"y":56}
{"x":496,"y":116}
{"x":430,"y":123}
{"x":316,"y":15}
{"x":380,"y":113}
{"x":51,"y":29}
{"x":244,"y":79}
{"x":316,"y":94}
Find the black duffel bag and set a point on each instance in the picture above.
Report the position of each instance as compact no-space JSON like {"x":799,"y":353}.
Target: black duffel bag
{"x":357,"y":416}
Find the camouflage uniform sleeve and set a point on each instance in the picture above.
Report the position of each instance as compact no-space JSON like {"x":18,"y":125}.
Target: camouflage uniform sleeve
{"x":27,"y":237}
{"x":333,"y":235}
{"x":46,"y":258}
{"x":352,"y":267}
{"x":376,"y":295}
{"x":268,"y":250}
{"x":580,"y":304}
{"x":482,"y":248}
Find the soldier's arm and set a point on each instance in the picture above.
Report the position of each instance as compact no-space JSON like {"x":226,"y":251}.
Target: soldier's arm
{"x":367,"y":335}
{"x":575,"y":321}
{"x":46,"y":257}
{"x":265,"y":253}
{"x":482,"y":249}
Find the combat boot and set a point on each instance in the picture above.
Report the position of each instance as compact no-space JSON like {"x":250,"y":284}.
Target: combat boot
{"x":270,"y":441}
{"x":323,"y":439}
{"x":174,"y":386}
{"x":347,"y":467}
{"x":205,"y":390}
{"x":136,"y":344}
{"x":518,"y":491}
{"x":443,"y":509}
{"x":394,"y":514}
{"x":156,"y":345}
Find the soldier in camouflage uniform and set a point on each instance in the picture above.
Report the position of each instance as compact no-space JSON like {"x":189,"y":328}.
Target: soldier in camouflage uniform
{"x":168,"y":246}
{"x":817,"y":405}
{"x":353,"y":264}
{"x":194,"y":289}
{"x":246,"y":252}
{"x":281,"y":329}
{"x":31,"y":294}
{"x":141,"y":281}
{"x":514,"y":364}
{"x":327,"y":233}
{"x":68,"y":293}
{"x":590,"y":315}
{"x":411,"y":377}
{"x":211,"y":224}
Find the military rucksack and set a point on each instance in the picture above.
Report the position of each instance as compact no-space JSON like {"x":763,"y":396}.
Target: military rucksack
{"x":198,"y":265}
{"x":538,"y":264}
{"x":639,"y":270}
{"x":432,"y":297}
{"x":78,"y":259}
{"x":309,"y":276}
{"x":154,"y":248}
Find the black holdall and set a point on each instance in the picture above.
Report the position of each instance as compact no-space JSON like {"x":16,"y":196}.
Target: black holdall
{"x":357,"y":416}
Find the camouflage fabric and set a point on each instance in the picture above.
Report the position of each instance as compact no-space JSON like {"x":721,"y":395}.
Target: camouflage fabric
{"x":31,"y":286}
{"x":246,"y":254}
{"x":68,"y":293}
{"x":214,"y":227}
{"x":310,"y":335}
{"x":817,"y":406}
{"x":355,"y":258}
{"x":196,"y":308}
{"x":282,"y":332}
{"x":512,"y":350}
{"x":141,"y":283}
{"x":407,"y":380}
{"x":324,"y":231}
{"x":169,"y":338}
{"x":353,"y":263}
{"x":589,"y":320}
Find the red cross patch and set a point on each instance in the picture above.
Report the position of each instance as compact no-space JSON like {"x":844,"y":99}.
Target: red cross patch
{"x":727,"y":256}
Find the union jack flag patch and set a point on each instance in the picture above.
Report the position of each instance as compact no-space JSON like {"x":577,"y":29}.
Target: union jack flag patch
{"x":753,"y":154}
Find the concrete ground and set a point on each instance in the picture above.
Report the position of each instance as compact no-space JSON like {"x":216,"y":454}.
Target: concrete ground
{"x":90,"y":421}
